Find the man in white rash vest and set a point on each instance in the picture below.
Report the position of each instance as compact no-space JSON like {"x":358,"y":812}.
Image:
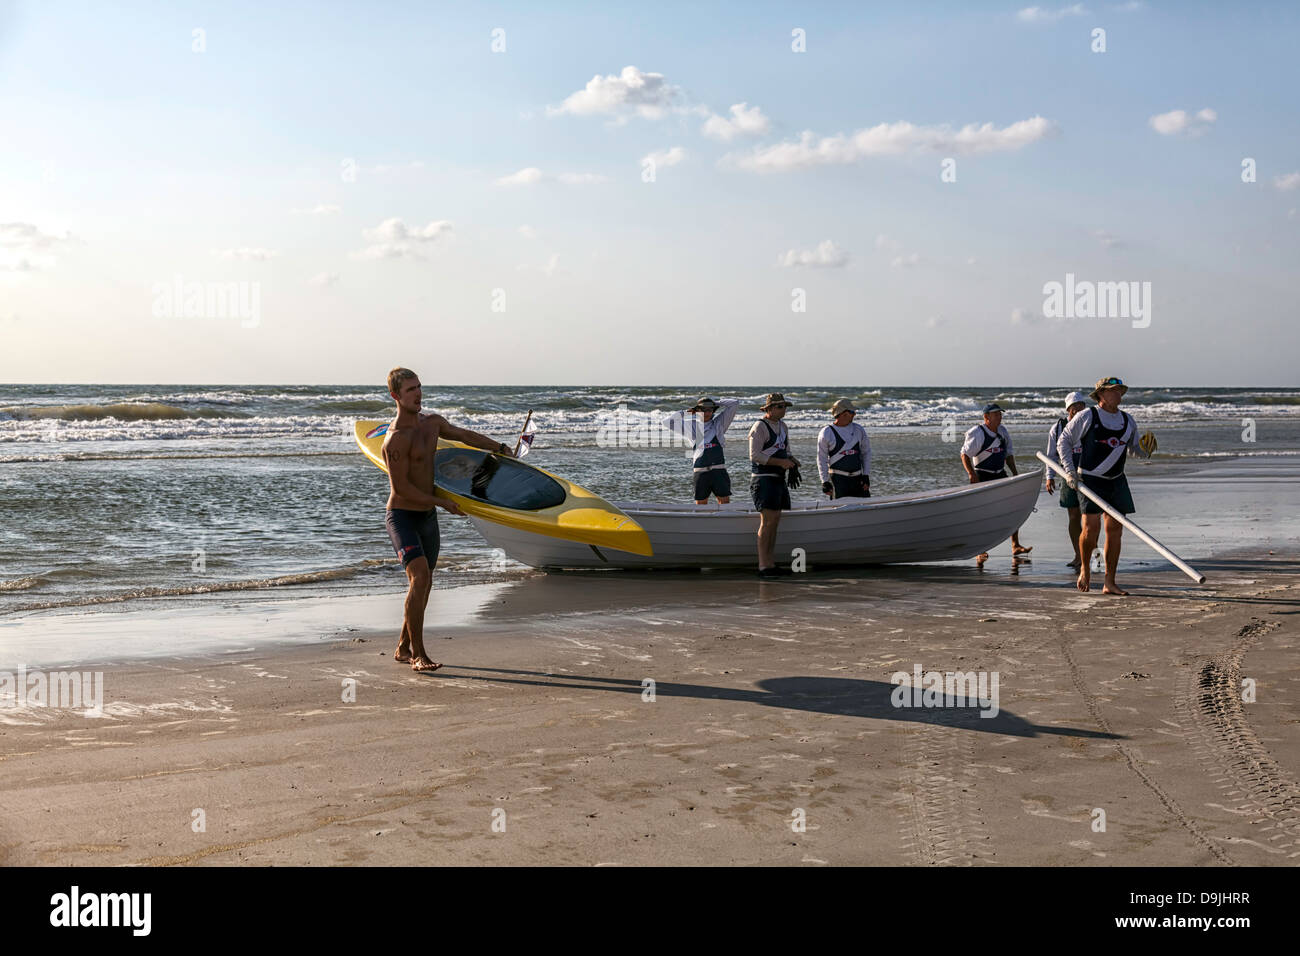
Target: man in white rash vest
{"x":1075,"y":402}
{"x":769,"y":460}
{"x":1107,"y":437}
{"x":986,"y":456}
{"x":706,"y":433}
{"x":844,"y":455}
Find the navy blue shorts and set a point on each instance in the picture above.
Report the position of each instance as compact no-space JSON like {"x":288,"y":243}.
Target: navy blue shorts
{"x":414,"y":534}
{"x":990,"y":475}
{"x":851,"y":486}
{"x":715,"y":481}
{"x":1113,"y":491}
{"x":769,"y":492}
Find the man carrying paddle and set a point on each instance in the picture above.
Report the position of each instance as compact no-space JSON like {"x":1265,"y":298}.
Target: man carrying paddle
{"x":412,"y":516}
{"x":986,"y":456}
{"x":1075,"y":402}
{"x":1107,"y":437}
{"x":769,"y":460}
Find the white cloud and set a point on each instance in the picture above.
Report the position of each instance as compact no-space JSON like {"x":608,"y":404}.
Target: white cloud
{"x":321,"y":210}
{"x":24,"y":248}
{"x":905,"y":262}
{"x":1025,"y":316}
{"x":1180,"y":121}
{"x":745,"y":120}
{"x":528,"y":232}
{"x":825,"y":256}
{"x":551,"y":268}
{"x":1288,"y":182}
{"x":246,"y":254}
{"x":972,"y":261}
{"x":1040,"y":15}
{"x":580,"y":179}
{"x":531,"y":176}
{"x":525,"y":177}
{"x":665,"y":157}
{"x":324,"y":279}
{"x":630,"y":92}
{"x":889,"y":139}
{"x":1107,"y":240}
{"x":394,"y":239}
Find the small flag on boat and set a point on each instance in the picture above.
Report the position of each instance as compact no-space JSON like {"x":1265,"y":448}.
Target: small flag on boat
{"x":525,"y":442}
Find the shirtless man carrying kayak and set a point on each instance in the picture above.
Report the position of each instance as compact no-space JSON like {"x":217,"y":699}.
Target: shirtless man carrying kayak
{"x":412,"y":516}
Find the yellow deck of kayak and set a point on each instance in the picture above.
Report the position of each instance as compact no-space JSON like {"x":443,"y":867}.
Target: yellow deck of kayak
{"x":582,"y":516}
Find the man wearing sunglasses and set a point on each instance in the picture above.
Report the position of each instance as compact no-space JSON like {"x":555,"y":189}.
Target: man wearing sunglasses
{"x":1106,"y":437}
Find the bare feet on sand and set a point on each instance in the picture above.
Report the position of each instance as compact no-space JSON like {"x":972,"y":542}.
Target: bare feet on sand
{"x":1021,"y":549}
{"x":1085,"y":578}
{"x":1110,"y":587}
{"x":422,"y":665}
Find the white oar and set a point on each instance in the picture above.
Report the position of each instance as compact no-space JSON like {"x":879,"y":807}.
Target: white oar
{"x":1179,"y":563}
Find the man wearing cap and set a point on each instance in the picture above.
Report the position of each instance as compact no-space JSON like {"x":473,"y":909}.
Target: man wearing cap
{"x":986,"y":456}
{"x":1075,"y":402}
{"x":706,"y":432}
{"x":769,"y":460}
{"x":1106,"y":437}
{"x":844,"y":455}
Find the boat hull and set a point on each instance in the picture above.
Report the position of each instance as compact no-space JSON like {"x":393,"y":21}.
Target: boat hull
{"x":946,"y":525}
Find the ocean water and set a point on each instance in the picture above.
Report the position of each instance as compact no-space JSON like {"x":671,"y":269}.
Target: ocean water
{"x":116,"y":495}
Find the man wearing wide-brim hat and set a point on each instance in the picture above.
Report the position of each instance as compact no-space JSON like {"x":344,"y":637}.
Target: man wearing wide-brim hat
{"x":708,"y":461}
{"x":1075,"y":402}
{"x":1106,"y":436}
{"x":769,"y":461}
{"x":844,"y":454}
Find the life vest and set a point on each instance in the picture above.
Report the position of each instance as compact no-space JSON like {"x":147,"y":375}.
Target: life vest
{"x":992,"y":455}
{"x":1053,"y":435}
{"x":1104,"y":449}
{"x":775,"y":448}
{"x":849,"y":462}
{"x":708,"y":450}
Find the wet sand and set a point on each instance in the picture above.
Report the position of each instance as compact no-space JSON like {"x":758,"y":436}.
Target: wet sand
{"x":537,"y":744}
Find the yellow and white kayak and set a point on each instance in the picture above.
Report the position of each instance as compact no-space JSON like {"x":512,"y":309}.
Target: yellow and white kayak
{"x":508,"y":492}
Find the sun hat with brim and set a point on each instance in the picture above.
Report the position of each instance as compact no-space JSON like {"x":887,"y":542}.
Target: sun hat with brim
{"x":774,"y":398}
{"x":992,"y":407}
{"x":843,"y":405}
{"x":1104,"y":383}
{"x":1075,"y":398}
{"x":704,"y":404}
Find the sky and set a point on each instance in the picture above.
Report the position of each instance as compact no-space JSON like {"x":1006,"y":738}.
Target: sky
{"x":622,"y":193}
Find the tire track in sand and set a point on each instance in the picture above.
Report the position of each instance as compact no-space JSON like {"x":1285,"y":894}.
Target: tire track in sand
{"x":1256,"y":788}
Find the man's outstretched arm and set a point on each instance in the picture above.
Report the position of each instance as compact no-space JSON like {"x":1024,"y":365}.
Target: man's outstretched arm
{"x":472,"y":438}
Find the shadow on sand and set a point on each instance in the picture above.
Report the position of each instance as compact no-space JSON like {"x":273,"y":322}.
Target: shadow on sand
{"x":839,"y":696}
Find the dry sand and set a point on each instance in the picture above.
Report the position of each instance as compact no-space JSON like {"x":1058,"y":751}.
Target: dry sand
{"x":770,"y":699}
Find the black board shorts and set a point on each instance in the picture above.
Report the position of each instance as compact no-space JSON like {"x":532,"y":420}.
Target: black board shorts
{"x":851,"y":486}
{"x":414,"y":534}
{"x":1113,"y":491}
{"x":769,"y":492}
{"x":1069,"y":497}
{"x":715,"y":481}
{"x":990,"y":475}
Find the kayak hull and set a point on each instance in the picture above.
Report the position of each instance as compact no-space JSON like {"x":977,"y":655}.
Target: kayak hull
{"x":581,"y":518}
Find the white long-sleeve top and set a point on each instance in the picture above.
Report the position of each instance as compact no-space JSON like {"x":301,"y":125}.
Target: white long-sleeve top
{"x":1072,"y":435}
{"x":698,"y":432}
{"x":853,"y":435}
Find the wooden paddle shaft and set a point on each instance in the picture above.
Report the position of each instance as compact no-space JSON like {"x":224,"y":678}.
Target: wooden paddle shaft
{"x":520,"y":439}
{"x":1179,"y":563}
